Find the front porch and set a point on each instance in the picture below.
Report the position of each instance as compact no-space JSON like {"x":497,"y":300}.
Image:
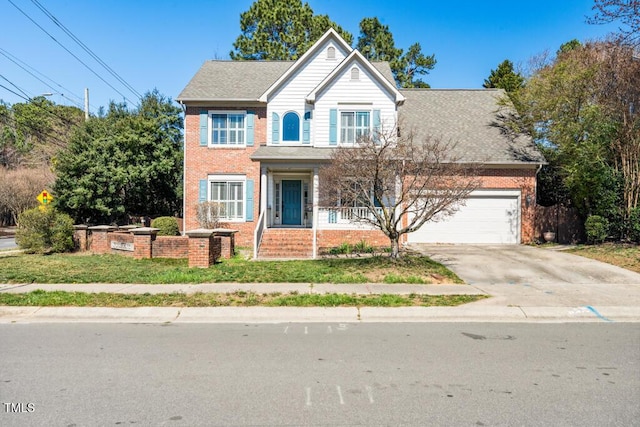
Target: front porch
{"x":290,"y":216}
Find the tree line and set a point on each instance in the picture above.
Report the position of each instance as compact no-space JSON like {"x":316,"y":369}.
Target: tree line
{"x":581,"y":106}
{"x":122,"y":162}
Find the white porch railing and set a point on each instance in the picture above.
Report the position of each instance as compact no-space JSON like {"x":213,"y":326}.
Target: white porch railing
{"x":257,"y":236}
{"x":344,"y":218}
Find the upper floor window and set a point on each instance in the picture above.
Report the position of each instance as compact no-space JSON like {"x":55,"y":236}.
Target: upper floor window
{"x":331,"y":52}
{"x":354,"y":125}
{"x":291,"y":127}
{"x":228,"y":129}
{"x":355,"y":73}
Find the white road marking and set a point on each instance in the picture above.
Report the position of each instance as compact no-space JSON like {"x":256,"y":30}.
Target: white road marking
{"x":329,"y":330}
{"x":342,"y":327}
{"x":369,"y":394}
{"x":340,"y":394}
{"x":306,"y":330}
{"x":286,"y":329}
{"x":308,"y":396}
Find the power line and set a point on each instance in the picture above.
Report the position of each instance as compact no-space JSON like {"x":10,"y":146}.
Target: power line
{"x":15,"y":93}
{"x":15,"y":85}
{"x":30,"y":100}
{"x":85,"y":48}
{"x":26,"y":68}
{"x":69,"y":52}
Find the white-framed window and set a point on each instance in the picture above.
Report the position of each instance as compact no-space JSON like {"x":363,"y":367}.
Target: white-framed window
{"x":355,"y":73}
{"x":354,"y":125}
{"x":228,"y":128}
{"x":228,"y":191}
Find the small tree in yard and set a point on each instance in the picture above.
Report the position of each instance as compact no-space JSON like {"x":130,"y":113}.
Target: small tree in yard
{"x":208,"y":214}
{"x":44,"y":230}
{"x":399,"y":182}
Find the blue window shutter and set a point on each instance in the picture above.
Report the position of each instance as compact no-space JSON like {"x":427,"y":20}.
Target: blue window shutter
{"x":202,"y":194}
{"x":250,"y":118}
{"x":204,"y":124}
{"x":249,"y":197}
{"x":306,"y":128}
{"x":333,"y":126}
{"x":275,"y":128}
{"x":376,"y":125}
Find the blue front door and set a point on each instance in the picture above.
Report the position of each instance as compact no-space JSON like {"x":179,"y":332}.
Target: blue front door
{"x":291,"y":202}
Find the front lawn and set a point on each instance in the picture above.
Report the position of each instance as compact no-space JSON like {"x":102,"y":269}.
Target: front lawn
{"x":84,"y":268}
{"x":623,"y":255}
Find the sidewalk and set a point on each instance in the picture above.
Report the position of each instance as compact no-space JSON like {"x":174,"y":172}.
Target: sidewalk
{"x":495,"y":309}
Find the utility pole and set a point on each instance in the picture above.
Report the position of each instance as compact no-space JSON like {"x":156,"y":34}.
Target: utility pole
{"x":86,"y":103}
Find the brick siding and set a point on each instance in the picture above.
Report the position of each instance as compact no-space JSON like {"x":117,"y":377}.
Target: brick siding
{"x":203,"y":161}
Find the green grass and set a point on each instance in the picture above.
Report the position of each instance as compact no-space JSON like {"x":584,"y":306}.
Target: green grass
{"x":623,"y":255}
{"x":236,"y":299}
{"x":81,"y":268}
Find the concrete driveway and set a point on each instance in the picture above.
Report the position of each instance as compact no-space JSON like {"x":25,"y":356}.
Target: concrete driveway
{"x":527,"y":276}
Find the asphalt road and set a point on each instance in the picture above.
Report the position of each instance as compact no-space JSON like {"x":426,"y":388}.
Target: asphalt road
{"x":320,"y":374}
{"x":8,"y":243}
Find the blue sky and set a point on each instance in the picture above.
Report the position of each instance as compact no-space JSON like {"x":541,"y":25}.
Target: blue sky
{"x":162,"y":43}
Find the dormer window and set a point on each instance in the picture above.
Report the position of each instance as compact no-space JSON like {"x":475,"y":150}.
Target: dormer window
{"x":355,"y":73}
{"x":331,"y":52}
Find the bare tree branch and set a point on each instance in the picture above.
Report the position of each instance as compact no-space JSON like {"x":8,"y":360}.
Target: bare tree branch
{"x":398,"y":183}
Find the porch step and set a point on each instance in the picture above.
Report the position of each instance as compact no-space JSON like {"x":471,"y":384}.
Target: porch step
{"x":286,"y":243}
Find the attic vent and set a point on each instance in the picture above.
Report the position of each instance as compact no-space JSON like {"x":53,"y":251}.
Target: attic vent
{"x":331,"y":52}
{"x":355,"y":73}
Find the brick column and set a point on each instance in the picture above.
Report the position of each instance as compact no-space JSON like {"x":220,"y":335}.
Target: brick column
{"x":204,"y":249}
{"x":143,"y":238}
{"x":100,"y":238}
{"x":80,"y":235}
{"x":228,"y":241}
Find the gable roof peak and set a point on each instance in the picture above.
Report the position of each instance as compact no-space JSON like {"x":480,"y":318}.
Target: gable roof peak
{"x":356,"y":57}
{"x":329,"y":34}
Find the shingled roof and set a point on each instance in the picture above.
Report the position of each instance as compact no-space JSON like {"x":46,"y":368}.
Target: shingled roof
{"x":243,"y":80}
{"x":469,"y":119}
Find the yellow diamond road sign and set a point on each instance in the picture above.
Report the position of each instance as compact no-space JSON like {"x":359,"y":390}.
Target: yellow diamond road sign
{"x":45,"y":197}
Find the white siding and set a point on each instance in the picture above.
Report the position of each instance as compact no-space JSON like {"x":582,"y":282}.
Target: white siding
{"x":344,"y":91}
{"x":291,"y":95}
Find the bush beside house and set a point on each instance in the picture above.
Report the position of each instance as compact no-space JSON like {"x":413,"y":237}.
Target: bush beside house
{"x":167,"y":225}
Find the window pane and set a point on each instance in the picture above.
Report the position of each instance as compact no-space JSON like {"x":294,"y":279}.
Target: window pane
{"x":363,"y":118}
{"x":230,"y":196}
{"x":346,"y":127}
{"x":236,"y":191}
{"x":227,"y":129}
{"x":218,"y":191}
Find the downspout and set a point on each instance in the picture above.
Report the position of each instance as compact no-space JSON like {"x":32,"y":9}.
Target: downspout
{"x":535,"y":203}
{"x":184,"y":167}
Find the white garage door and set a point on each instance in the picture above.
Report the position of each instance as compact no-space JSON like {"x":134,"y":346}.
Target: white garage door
{"x":487,"y":217}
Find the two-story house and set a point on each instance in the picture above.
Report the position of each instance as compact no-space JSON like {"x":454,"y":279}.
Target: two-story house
{"x":257,"y":133}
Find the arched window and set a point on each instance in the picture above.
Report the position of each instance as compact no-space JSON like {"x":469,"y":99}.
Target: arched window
{"x":331,"y":52}
{"x":355,"y":73}
{"x":291,"y":127}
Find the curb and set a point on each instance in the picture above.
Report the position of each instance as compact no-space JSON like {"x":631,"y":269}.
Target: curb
{"x":184,"y":315}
